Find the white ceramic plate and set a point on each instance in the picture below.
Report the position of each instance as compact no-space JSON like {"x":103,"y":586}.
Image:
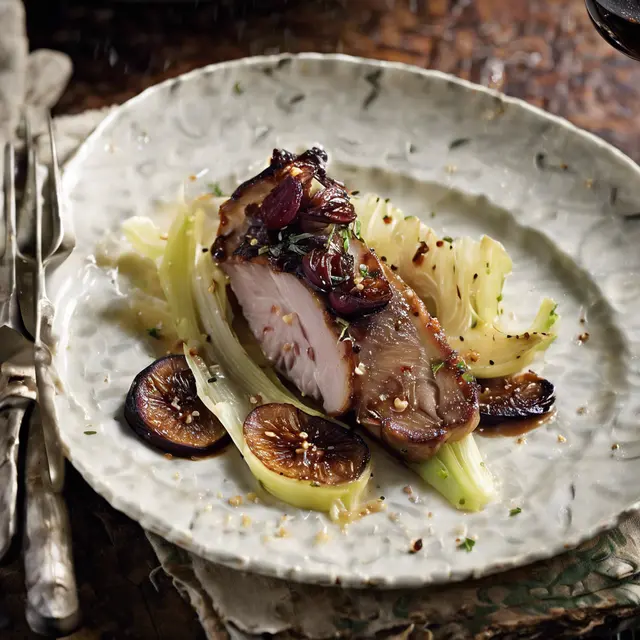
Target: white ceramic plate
{"x":555,"y":196}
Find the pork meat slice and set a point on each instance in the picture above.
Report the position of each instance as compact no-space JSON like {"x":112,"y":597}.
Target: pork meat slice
{"x":410,"y":394}
{"x":302,"y":276}
{"x":296,"y":332}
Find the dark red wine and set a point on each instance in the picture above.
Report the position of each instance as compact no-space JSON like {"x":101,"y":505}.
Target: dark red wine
{"x":618,"y":22}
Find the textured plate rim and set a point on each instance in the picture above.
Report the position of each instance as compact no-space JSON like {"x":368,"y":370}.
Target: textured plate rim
{"x":71,"y":174}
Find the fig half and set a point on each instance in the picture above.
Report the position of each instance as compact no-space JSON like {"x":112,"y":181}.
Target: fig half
{"x":525,"y":395}
{"x":163,"y":408}
{"x":303,"y":459}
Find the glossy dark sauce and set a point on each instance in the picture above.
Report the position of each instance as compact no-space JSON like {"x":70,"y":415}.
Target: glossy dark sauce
{"x":515,"y":428}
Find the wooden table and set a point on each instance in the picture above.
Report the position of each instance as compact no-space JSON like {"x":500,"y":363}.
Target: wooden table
{"x":545,"y":51}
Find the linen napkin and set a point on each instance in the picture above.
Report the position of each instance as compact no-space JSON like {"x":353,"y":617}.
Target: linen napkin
{"x":566,"y":595}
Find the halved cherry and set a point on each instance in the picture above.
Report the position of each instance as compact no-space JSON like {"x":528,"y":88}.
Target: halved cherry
{"x":325,"y":269}
{"x":330,"y":205}
{"x":303,"y":447}
{"x":525,"y":395}
{"x":281,"y":205}
{"x":163,"y":408}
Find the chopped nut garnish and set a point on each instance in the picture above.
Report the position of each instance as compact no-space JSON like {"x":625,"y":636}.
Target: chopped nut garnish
{"x":615,"y":446}
{"x":583,"y":337}
{"x":286,"y":347}
{"x":253,"y":242}
{"x":359,"y":370}
{"x":195,"y":414}
{"x":561,"y":438}
{"x":407,"y":489}
{"x":416,"y":545}
{"x":360,"y":287}
{"x":306,"y":445}
{"x":255,"y":399}
{"x":246,"y":520}
{"x":288,"y":318}
{"x":521,"y":440}
{"x":581,"y":411}
{"x":236,"y":501}
{"x":282,"y":533}
{"x":394,"y":517}
{"x":189,"y":419}
{"x":270,"y":434}
{"x":164,"y":236}
{"x":252,"y":497}
{"x":400,"y":405}
{"x":304,"y":435}
{"x":321,"y":537}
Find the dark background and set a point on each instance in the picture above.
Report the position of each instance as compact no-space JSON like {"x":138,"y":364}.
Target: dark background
{"x":544,"y":51}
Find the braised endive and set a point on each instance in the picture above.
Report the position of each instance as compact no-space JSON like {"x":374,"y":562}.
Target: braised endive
{"x":231,"y":385}
{"x":461,"y":280}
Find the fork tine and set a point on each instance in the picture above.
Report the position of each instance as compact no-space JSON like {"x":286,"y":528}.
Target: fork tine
{"x":54,"y":192}
{"x":26,"y":220}
{"x":9,"y":199}
{"x":9,"y":309}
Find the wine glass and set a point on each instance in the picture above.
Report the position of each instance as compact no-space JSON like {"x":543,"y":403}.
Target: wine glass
{"x":618,"y":22}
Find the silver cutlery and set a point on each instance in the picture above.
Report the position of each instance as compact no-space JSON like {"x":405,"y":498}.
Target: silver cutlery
{"x":52,"y":601}
{"x":13,"y":406}
{"x":52,"y":598}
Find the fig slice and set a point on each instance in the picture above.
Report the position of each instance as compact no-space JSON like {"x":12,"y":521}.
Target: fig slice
{"x":303,"y":447}
{"x":163,"y":408}
{"x":525,"y":395}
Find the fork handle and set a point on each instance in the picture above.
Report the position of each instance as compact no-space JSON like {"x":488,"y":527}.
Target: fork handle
{"x":49,"y":416}
{"x":52,"y":597}
{"x":10,"y":422}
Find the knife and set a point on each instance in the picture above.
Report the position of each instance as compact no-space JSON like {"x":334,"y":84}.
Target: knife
{"x":52,"y":597}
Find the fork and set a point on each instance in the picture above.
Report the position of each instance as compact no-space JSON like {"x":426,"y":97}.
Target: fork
{"x":52,"y":600}
{"x":38,"y":258}
{"x":12,"y":403}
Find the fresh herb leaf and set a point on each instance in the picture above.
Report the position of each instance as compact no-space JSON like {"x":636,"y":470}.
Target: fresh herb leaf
{"x":263,"y":250}
{"x":331,"y":234}
{"x":448,"y":239}
{"x":553,"y":316}
{"x":515,"y":512}
{"x":237,"y":89}
{"x":357,"y":228}
{"x":214,"y":187}
{"x":344,"y":334}
{"x":90,"y":433}
{"x":461,"y":366}
{"x":154,"y":332}
{"x":293,"y":239}
{"x":345,"y":239}
{"x":436,"y":366}
{"x":499,"y":298}
{"x":296,"y":249}
{"x":364,"y":272}
{"x":467,"y":544}
{"x":468,"y":377}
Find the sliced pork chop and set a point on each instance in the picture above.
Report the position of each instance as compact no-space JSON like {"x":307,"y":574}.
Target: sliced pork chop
{"x":411,"y":393}
{"x":297,"y":334}
{"x":301,"y":276}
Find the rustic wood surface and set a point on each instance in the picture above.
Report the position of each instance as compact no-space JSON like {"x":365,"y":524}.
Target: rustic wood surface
{"x":545,"y":51}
